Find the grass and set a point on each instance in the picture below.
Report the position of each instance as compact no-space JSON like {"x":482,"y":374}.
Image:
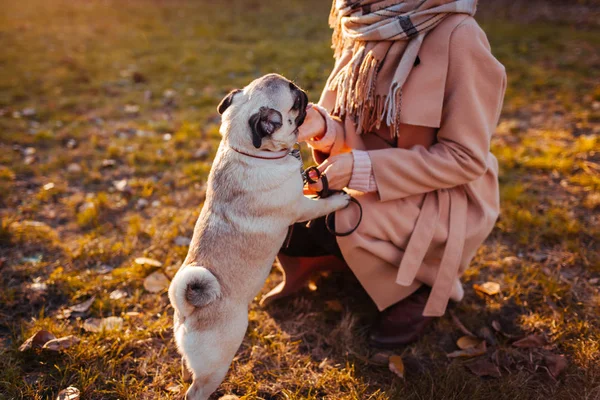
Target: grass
{"x":108,"y":125}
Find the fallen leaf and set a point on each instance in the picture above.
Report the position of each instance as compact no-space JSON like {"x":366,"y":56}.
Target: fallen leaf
{"x":396,"y":365}
{"x":37,"y":340}
{"x":100,"y":324}
{"x":334,"y":305}
{"x":489,"y":288}
{"x":84,"y":306}
{"x":141,"y":204}
{"x":155,"y":282}
{"x":466,"y":342}
{"x":229,"y":397}
{"x":118,"y":294}
{"x":121,"y":185}
{"x":131,"y":109}
{"x":470,"y":352}
{"x":538,"y":257}
{"x":62,"y":343}
{"x":531,"y":341}
{"x":510,"y":261}
{"x":484,"y":368}
{"x":174,"y":388}
{"x":496,"y":326}
{"x":380,"y":358}
{"x":74,"y":168}
{"x":104,"y":269}
{"x":556,"y":364}
{"x":460,"y":325}
{"x":148,"y":261}
{"x":70,"y":393}
{"x":133,"y":314}
{"x":487,"y":334}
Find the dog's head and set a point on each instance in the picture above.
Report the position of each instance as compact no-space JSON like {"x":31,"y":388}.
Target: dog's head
{"x":264,"y":115}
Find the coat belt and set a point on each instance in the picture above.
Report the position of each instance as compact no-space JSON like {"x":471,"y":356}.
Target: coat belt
{"x":420,"y":241}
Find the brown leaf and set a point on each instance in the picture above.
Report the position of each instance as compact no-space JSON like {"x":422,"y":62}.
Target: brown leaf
{"x":460,"y":325}
{"x":556,"y":363}
{"x":466,"y":342}
{"x":156,"y":282}
{"x":100,"y":324}
{"x":489,"y":288}
{"x":84,"y":306}
{"x":396,"y":365}
{"x":37,"y":340}
{"x":484,"y":368}
{"x":470,"y":352}
{"x":531,"y":341}
{"x":62,"y":343}
{"x":148,"y":261}
{"x":70,"y":393}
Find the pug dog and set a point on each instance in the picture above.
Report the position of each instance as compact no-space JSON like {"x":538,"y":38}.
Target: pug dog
{"x":254,"y":194}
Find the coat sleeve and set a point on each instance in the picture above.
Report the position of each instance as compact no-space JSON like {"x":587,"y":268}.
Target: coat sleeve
{"x":473,"y":97}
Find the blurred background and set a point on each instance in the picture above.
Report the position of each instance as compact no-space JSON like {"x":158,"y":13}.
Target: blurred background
{"x":108,"y":126}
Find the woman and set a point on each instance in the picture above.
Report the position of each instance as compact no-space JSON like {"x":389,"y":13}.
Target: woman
{"x":404,"y":123}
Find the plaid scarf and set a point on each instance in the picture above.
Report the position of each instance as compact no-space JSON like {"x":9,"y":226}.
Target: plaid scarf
{"x":376,"y":43}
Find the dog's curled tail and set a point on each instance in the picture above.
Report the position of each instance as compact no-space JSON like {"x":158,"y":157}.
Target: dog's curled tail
{"x":193,"y":286}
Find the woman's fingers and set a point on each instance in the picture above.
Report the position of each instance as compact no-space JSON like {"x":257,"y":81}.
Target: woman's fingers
{"x":315,"y":187}
{"x":309,"y":191}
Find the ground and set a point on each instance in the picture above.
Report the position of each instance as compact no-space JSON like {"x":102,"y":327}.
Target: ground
{"x":108,"y":125}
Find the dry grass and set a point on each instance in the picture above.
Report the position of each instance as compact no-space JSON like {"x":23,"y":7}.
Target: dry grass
{"x":137,"y":83}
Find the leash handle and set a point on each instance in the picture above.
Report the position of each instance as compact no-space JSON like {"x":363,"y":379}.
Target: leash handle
{"x":329,"y":221}
{"x":312,"y":175}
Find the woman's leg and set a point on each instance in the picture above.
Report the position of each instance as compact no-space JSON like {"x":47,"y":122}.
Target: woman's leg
{"x":310,"y":250}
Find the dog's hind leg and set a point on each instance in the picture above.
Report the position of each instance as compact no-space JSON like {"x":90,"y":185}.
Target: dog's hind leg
{"x":209,"y":353}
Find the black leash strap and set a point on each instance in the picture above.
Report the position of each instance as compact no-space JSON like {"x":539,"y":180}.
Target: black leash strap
{"x":313,"y":175}
{"x":309,"y":176}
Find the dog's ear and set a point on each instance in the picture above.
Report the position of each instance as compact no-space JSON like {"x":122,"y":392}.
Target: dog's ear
{"x":264,"y":123}
{"x":227,"y":100}
{"x":300,"y":103}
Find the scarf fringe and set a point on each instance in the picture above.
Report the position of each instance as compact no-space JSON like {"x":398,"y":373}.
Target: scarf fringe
{"x":357,"y":81}
{"x":355,"y":85}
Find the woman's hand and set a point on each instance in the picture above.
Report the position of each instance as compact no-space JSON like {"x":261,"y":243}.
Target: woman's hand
{"x":313,"y":126}
{"x":338,"y":170}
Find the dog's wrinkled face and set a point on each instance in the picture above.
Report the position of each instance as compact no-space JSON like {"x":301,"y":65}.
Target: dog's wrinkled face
{"x":264,"y":115}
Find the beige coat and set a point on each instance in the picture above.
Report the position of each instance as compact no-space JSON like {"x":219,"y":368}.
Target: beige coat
{"x":437,"y":196}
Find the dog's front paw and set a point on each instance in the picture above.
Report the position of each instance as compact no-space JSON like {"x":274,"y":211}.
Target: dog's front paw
{"x":340,"y":200}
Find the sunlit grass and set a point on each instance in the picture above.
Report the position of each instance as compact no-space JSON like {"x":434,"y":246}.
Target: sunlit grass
{"x":128,"y":91}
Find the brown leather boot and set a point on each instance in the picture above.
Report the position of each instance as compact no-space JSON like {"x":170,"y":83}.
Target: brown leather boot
{"x":402,"y":323}
{"x":296,"y":273}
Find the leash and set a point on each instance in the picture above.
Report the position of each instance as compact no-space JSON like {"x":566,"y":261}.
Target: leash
{"x":313,"y":175}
